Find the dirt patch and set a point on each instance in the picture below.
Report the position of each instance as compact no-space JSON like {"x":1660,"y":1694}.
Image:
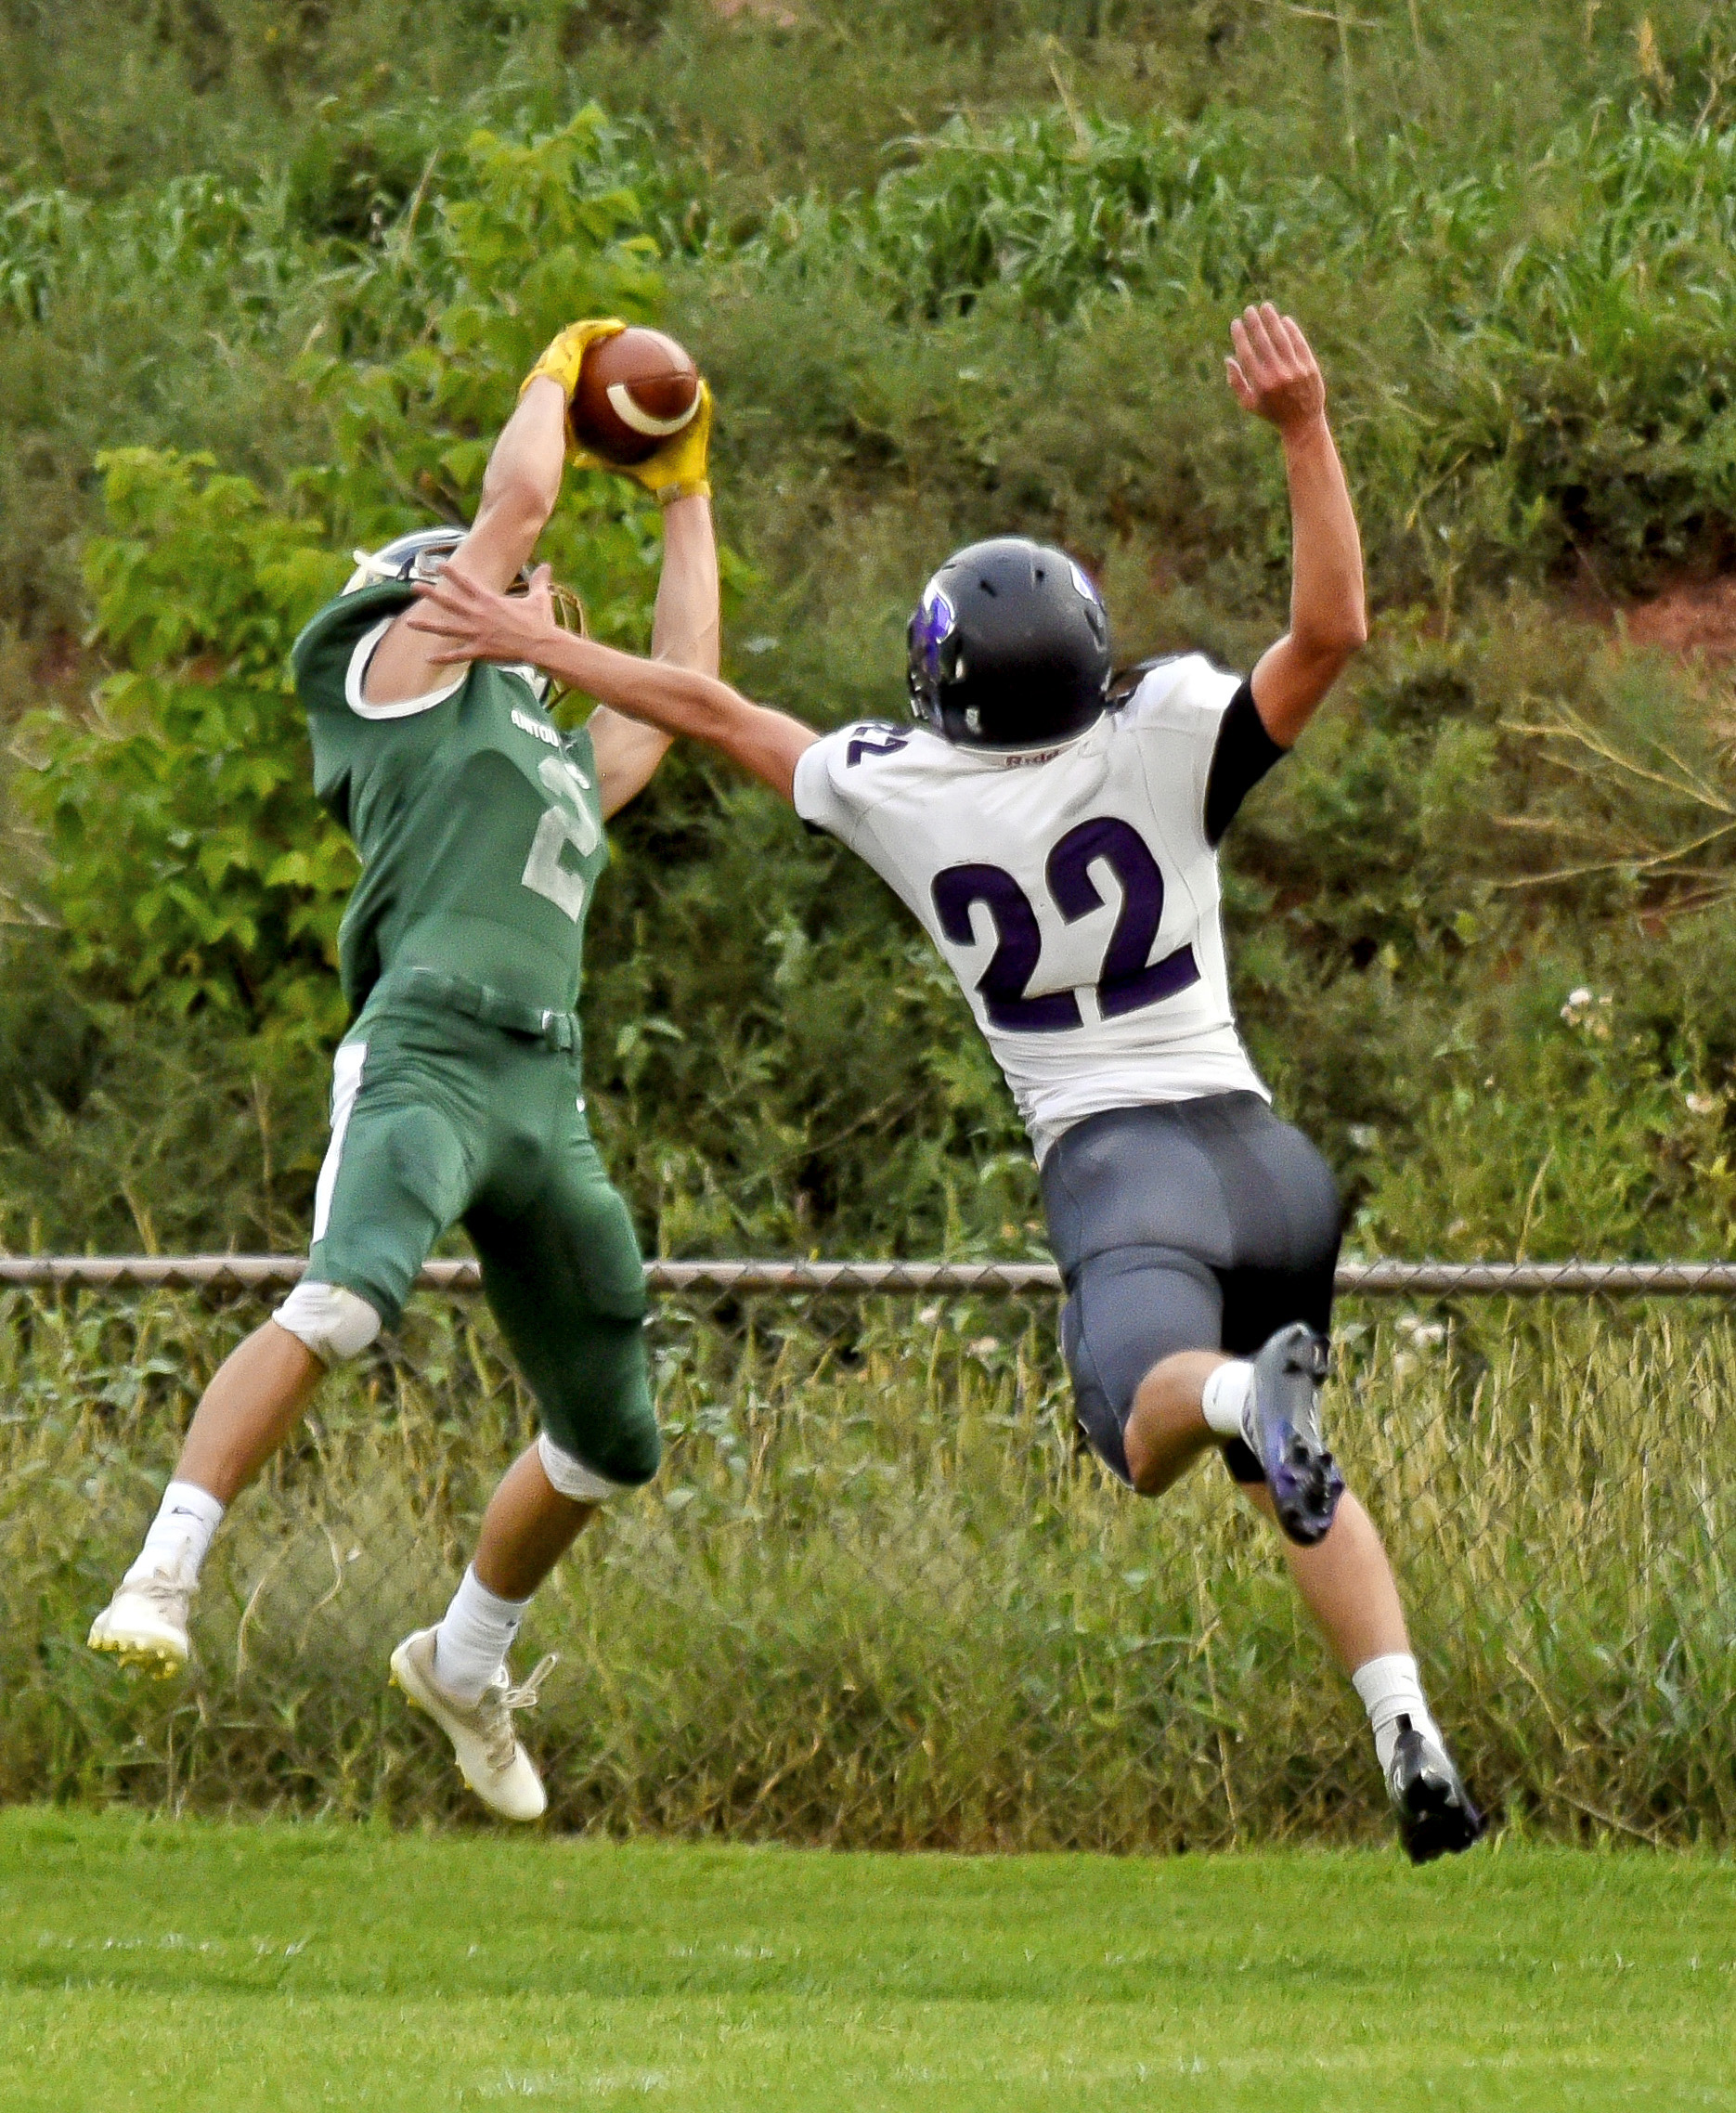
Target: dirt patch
{"x":1693,"y":620}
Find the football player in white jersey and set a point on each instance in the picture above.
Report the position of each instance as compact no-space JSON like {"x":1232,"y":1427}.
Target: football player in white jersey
{"x":1055,"y":834}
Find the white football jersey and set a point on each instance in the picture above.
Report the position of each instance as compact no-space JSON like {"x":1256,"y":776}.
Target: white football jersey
{"x":1072,"y":891}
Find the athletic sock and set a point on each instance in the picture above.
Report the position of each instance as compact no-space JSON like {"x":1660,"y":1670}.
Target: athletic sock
{"x":1224,"y":1402}
{"x":1390,"y":1690}
{"x":179,"y":1535}
{"x":475,"y":1637}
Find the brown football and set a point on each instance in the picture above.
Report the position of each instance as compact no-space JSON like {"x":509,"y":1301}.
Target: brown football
{"x":635,"y":390}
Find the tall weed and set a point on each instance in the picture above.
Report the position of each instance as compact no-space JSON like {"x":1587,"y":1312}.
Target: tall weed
{"x":875,"y":1599}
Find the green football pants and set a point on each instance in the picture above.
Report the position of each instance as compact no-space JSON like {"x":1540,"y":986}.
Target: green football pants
{"x":438,"y":1118}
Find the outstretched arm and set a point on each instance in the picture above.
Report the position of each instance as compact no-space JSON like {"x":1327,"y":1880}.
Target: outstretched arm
{"x":463,"y":620}
{"x":519,"y":490}
{"x":685,"y":633}
{"x":1274,"y":375}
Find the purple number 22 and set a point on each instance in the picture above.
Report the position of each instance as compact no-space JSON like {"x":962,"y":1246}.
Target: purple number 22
{"x":1128,"y":980}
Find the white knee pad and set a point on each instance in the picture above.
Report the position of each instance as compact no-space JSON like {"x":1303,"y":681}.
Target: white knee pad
{"x":333,"y":1323}
{"x":573,"y":1478}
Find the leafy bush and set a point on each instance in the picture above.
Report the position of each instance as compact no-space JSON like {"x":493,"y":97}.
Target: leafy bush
{"x":949,"y":278}
{"x":211,"y":241}
{"x":190,"y":859}
{"x":1543,"y":348}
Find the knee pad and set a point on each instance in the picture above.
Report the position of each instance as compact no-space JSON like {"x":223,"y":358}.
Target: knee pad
{"x":572,"y":1478}
{"x":334,"y":1324}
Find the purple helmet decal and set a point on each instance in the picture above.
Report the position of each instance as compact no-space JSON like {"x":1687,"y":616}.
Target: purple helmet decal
{"x":936,"y":621}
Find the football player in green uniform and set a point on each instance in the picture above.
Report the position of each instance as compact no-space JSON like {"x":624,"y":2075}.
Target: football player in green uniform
{"x":457,"y":1093}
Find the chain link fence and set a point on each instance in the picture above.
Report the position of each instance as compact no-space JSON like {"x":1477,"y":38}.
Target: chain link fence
{"x":876,"y":1596}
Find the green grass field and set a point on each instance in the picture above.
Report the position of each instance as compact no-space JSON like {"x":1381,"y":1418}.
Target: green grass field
{"x":189,"y":1965}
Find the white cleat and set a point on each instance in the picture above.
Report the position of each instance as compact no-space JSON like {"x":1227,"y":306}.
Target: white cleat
{"x":145,"y":1623}
{"x":489,"y":1756}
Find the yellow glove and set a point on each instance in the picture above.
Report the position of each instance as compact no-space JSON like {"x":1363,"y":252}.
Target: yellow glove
{"x":678,"y":469}
{"x":565,"y":353}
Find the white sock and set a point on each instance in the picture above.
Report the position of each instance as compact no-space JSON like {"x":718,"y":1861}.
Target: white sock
{"x":1390,"y":1689}
{"x":1225,"y":1401}
{"x":179,"y":1535}
{"x":475,"y":1637}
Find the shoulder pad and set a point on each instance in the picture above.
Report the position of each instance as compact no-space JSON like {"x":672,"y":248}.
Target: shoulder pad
{"x":1130,"y":679}
{"x":866,"y":737}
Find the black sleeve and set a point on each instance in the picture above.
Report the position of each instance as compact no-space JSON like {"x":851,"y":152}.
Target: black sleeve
{"x":1245,"y":752}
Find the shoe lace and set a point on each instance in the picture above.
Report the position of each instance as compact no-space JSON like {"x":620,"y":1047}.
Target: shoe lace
{"x":498,"y":1703}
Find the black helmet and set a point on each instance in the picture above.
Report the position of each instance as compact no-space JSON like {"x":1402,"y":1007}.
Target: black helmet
{"x":1009,"y":647}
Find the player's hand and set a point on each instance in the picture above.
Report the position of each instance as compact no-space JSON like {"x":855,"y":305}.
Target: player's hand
{"x":678,"y":469}
{"x":1273,"y":371}
{"x":562,"y":358}
{"x":564,"y":353}
{"x":477,"y":624}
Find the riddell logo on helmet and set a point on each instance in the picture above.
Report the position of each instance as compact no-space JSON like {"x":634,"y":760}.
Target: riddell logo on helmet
{"x":1022,"y":758}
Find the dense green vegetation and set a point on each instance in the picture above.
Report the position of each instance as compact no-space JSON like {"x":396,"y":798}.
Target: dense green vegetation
{"x":150,"y":1966}
{"x":876,"y":1600}
{"x":951,"y":270}
{"x":269,"y":274}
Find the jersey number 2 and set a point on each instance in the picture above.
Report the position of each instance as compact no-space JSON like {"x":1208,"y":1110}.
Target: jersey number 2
{"x":1128,"y":980}
{"x":544,"y":874}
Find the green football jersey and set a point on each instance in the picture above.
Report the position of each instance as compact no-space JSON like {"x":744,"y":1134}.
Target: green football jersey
{"x":478,"y":821}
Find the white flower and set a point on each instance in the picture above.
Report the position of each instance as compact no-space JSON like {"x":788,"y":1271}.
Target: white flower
{"x":1584,"y":1008}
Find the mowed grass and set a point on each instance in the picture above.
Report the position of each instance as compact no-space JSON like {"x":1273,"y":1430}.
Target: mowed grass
{"x":189,"y":1965}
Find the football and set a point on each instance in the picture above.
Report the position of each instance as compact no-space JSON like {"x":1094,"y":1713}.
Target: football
{"x":635,"y":390}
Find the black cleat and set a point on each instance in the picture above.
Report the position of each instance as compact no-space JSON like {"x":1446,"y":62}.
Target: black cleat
{"x":1435,"y":1815}
{"x":1283,"y":1431}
